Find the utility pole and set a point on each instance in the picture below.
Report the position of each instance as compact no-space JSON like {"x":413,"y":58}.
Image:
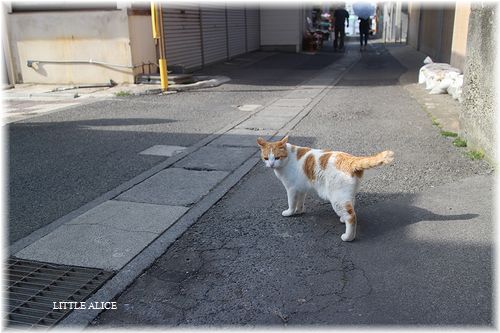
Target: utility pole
{"x":157,"y":22}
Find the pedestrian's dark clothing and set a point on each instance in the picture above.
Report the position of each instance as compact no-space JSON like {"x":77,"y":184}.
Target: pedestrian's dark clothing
{"x":340,"y":15}
{"x":364,"y":30}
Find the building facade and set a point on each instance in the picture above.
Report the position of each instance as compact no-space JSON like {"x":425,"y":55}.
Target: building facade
{"x":440,"y":31}
{"x":88,"y":43}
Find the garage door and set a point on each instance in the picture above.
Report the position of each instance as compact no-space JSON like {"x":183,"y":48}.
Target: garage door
{"x":213,"y":20}
{"x":253,"y":29}
{"x":182,"y":33}
{"x":199,"y":35}
{"x":236,"y":26}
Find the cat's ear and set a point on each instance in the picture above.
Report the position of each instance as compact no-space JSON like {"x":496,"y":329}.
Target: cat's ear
{"x":284,"y":140}
{"x":261,"y":142}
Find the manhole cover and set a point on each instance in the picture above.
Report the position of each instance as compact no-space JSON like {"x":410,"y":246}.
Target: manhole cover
{"x":33,"y":287}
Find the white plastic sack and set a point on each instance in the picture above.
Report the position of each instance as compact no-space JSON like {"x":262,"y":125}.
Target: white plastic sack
{"x":428,"y":60}
{"x":437,"y":76}
{"x":441,"y":79}
{"x":455,"y":88}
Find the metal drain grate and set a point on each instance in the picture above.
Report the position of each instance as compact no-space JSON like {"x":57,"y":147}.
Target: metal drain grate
{"x":34,"y":286}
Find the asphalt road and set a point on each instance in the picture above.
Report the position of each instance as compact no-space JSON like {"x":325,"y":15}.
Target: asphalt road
{"x":422,"y":255}
{"x":60,"y":161}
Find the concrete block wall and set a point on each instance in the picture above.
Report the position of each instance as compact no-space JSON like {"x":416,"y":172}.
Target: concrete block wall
{"x":142,"y":44}
{"x":477,"y":116}
{"x":101,"y":35}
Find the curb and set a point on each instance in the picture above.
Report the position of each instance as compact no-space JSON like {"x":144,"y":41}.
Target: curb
{"x":203,"y":82}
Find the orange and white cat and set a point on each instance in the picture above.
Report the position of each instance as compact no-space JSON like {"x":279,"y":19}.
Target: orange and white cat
{"x":334,"y":175}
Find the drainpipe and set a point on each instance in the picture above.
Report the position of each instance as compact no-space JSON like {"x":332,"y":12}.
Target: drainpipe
{"x":157,"y":21}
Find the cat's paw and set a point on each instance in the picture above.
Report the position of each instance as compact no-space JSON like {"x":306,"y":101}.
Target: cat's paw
{"x":347,"y":238}
{"x":342,"y":220}
{"x":288,"y":212}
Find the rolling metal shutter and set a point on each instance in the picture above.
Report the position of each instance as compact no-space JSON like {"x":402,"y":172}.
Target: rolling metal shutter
{"x":213,"y":21}
{"x":236,"y":27}
{"x":182,"y":31}
{"x":253,"y":29}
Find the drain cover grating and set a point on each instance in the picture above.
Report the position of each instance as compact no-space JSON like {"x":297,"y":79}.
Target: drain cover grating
{"x":34,"y":286}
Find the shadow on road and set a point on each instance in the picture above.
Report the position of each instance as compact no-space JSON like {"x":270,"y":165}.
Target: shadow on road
{"x":396,"y":211}
{"x":102,"y":122}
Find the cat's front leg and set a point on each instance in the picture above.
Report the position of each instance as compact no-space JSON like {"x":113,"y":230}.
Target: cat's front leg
{"x":292,"y":202}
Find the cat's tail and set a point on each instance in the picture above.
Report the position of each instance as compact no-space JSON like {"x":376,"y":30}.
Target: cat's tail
{"x":363,"y":163}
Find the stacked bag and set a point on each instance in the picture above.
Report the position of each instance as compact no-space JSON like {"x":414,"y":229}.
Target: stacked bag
{"x":441,"y":78}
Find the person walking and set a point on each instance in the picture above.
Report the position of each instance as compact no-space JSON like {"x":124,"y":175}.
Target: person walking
{"x":364,"y":30}
{"x":340,"y":15}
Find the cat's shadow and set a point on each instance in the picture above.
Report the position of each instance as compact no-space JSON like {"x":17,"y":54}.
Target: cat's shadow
{"x":395,"y":211}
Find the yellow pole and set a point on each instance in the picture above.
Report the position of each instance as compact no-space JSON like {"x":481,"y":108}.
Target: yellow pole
{"x":157,"y":21}
{"x":154,"y":21}
{"x":163,"y":56}
{"x":163,"y":74}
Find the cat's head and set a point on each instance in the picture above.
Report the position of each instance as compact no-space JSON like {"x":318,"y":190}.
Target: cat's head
{"x":274,"y":154}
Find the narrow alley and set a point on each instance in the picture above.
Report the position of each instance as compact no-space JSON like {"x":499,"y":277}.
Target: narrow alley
{"x":139,"y":185}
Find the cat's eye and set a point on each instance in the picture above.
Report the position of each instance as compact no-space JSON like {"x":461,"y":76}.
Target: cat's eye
{"x":266,"y":158}
{"x":277,"y":158}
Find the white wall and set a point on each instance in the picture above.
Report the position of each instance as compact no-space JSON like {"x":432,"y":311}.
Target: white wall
{"x":142,"y":43}
{"x":281,"y":27}
{"x":460,"y":31}
{"x":71,"y":35}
